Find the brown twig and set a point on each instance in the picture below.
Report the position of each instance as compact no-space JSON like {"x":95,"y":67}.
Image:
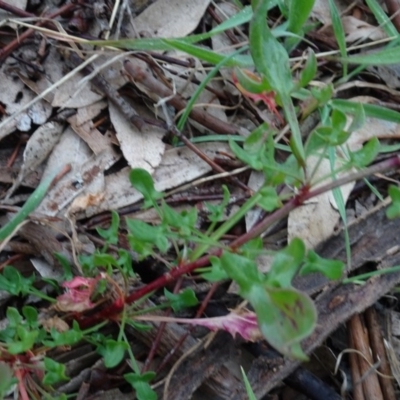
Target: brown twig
{"x":7,"y":50}
{"x":358,"y":393}
{"x":370,"y":383}
{"x":378,"y":349}
{"x":137,"y":74}
{"x":214,"y":15}
{"x":127,"y":110}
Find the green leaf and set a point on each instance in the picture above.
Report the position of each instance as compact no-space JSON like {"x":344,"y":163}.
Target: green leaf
{"x":14,"y":283}
{"x":309,"y":70}
{"x":208,"y":55}
{"x":286,"y":264}
{"x":54,"y":372}
{"x":285,"y":318}
{"x":242,"y":270}
{"x":7,"y":379}
{"x":217,"y":272}
{"x":184,"y":221}
{"x":381,"y":17}
{"x":393,"y":211}
{"x":338,"y":120}
{"x":142,"y":232}
{"x":339,"y":32}
{"x":30,"y":205}
{"x":387,"y":56}
{"x":187,"y":298}
{"x":67,"y":338}
{"x":371,"y":110}
{"x":330,"y":136}
{"x":358,"y":119}
{"x":111,"y":234}
{"x":31,"y":315}
{"x":269,"y":200}
{"x":113,"y":352}
{"x":270,"y":57}
{"x":66,"y":266}
{"x":251,"y":159}
{"x":13,"y":316}
{"x":272,"y":62}
{"x":249,"y":390}
{"x":322,"y":94}
{"x":124,"y":261}
{"x":363,"y":157}
{"x":142,"y":181}
{"x":26,"y":343}
{"x":332,"y":269}
{"x":216,"y":212}
{"x":299,"y":12}
{"x":249,"y":84}
{"x":141,"y":384}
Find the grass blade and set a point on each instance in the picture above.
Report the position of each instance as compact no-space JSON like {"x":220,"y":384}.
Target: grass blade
{"x":30,"y":205}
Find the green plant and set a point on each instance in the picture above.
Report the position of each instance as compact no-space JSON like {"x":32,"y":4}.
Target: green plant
{"x":285,"y":315}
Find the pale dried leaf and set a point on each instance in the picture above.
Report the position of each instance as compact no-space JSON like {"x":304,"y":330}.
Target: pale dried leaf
{"x":82,"y":124}
{"x":46,"y":270}
{"x":321,"y":10}
{"x":14,"y":95}
{"x":85,"y":168}
{"x":39,"y":146}
{"x":178,"y":166}
{"x":75,"y":183}
{"x":315,"y":221}
{"x":256,"y":181}
{"x":171,"y":18}
{"x":66,"y":95}
{"x":142,"y":149}
{"x":356,"y":29}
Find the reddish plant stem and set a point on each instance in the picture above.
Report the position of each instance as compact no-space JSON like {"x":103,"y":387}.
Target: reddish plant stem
{"x":7,"y":50}
{"x":305,"y":194}
{"x":160,"y":332}
{"x":15,"y":10}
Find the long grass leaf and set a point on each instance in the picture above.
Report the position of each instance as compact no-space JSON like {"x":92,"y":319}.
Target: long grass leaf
{"x":384,"y":57}
{"x":339,"y":32}
{"x":370,"y":110}
{"x":203,"y":84}
{"x":272,"y":61}
{"x":30,"y":205}
{"x":382,"y":18}
{"x":209,"y":55}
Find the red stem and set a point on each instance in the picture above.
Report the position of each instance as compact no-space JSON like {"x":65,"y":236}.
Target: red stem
{"x":299,"y":199}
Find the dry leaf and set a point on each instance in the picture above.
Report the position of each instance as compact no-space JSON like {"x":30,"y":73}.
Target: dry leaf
{"x":85,"y":168}
{"x":66,"y":95}
{"x":178,"y":166}
{"x":142,"y":149}
{"x":38,"y":148}
{"x":356,"y":29}
{"x":171,"y":18}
